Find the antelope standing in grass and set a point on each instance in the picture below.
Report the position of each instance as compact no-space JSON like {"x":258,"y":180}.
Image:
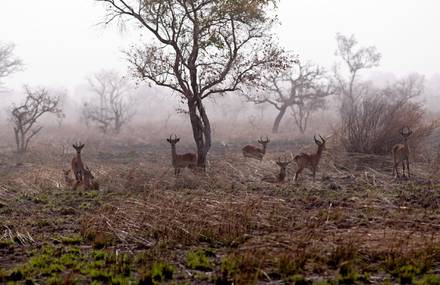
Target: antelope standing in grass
{"x":181,"y":160}
{"x":256,"y":152}
{"x":77,"y":163}
{"x":310,"y":161}
{"x":281,"y":177}
{"x":401,"y":153}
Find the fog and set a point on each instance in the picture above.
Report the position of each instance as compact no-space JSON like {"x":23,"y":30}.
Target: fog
{"x":62,"y":43}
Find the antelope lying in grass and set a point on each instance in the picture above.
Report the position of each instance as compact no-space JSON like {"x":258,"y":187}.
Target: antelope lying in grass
{"x":401,"y":153}
{"x":77,"y":163}
{"x":88,"y":182}
{"x":69,"y":181}
{"x":281,"y":177}
{"x":255,"y":152}
{"x":181,"y":160}
{"x":310,"y":161}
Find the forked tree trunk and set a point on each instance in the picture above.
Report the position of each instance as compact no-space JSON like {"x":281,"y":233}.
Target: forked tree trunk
{"x":279,"y":117}
{"x":201,"y":130}
{"x":118,"y":124}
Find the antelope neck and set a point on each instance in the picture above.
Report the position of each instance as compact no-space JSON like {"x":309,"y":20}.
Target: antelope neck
{"x":282,"y":175}
{"x":319,"y":151}
{"x":173,"y":152}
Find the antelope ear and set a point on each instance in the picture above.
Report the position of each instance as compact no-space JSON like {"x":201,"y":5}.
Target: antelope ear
{"x":177,"y":140}
{"x":168,"y":140}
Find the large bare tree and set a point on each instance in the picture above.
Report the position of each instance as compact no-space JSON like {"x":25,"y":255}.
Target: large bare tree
{"x":8,"y":62}
{"x":112,"y":104}
{"x":305,"y":85}
{"x":201,"y":48}
{"x":24,"y":116}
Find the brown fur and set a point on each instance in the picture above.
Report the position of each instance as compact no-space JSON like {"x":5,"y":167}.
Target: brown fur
{"x":77,"y":163}
{"x":281,"y":177}
{"x":252,"y":151}
{"x":88,"y":183}
{"x":181,"y":160}
{"x":401,"y":154}
{"x":310,"y":161}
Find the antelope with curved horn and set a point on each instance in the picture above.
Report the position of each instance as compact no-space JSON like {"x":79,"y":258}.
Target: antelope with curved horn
{"x":181,"y":160}
{"x":281,"y":177}
{"x":77,"y":163}
{"x":256,"y":152}
{"x":401,"y":153}
{"x":310,"y":161}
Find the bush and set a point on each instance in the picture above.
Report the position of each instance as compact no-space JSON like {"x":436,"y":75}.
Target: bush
{"x":372,"y":125}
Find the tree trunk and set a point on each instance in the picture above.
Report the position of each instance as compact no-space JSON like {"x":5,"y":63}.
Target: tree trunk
{"x":118,"y":125}
{"x":276,"y":123}
{"x":201,"y":130}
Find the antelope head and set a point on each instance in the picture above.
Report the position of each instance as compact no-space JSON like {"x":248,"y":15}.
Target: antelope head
{"x":405,"y":132}
{"x":283,"y":163}
{"x":173,"y":141}
{"x":88,"y":173}
{"x":320,"y":143}
{"x":264,"y":142}
{"x":78,"y":147}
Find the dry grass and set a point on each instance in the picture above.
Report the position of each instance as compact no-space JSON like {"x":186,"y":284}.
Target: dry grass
{"x":354,"y":212}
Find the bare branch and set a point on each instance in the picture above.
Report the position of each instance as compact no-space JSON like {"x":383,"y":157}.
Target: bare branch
{"x":24,"y":117}
{"x":8,"y":62}
{"x":112,"y":104}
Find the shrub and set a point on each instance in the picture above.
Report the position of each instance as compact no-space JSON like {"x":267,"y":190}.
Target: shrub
{"x":372,"y":125}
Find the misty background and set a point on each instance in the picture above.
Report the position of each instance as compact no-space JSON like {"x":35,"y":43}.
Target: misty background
{"x":63,"y":43}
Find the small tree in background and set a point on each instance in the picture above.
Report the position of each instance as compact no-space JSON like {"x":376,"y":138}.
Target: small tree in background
{"x":24,"y":117}
{"x":350,"y":88}
{"x":301,"y":112}
{"x":8,"y":62}
{"x":301,"y":88}
{"x":112,"y":105}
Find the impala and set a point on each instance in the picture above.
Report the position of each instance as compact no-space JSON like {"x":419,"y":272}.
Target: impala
{"x":181,"y":160}
{"x":256,"y":152}
{"x":77,"y":163}
{"x":401,"y":153}
{"x":310,"y":161}
{"x":281,"y":177}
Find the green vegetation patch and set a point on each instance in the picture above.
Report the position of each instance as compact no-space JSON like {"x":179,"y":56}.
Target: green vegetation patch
{"x":52,"y":265}
{"x":200,"y":260}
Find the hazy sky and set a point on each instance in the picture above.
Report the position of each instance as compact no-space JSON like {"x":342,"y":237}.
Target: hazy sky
{"x":61,"y":43}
